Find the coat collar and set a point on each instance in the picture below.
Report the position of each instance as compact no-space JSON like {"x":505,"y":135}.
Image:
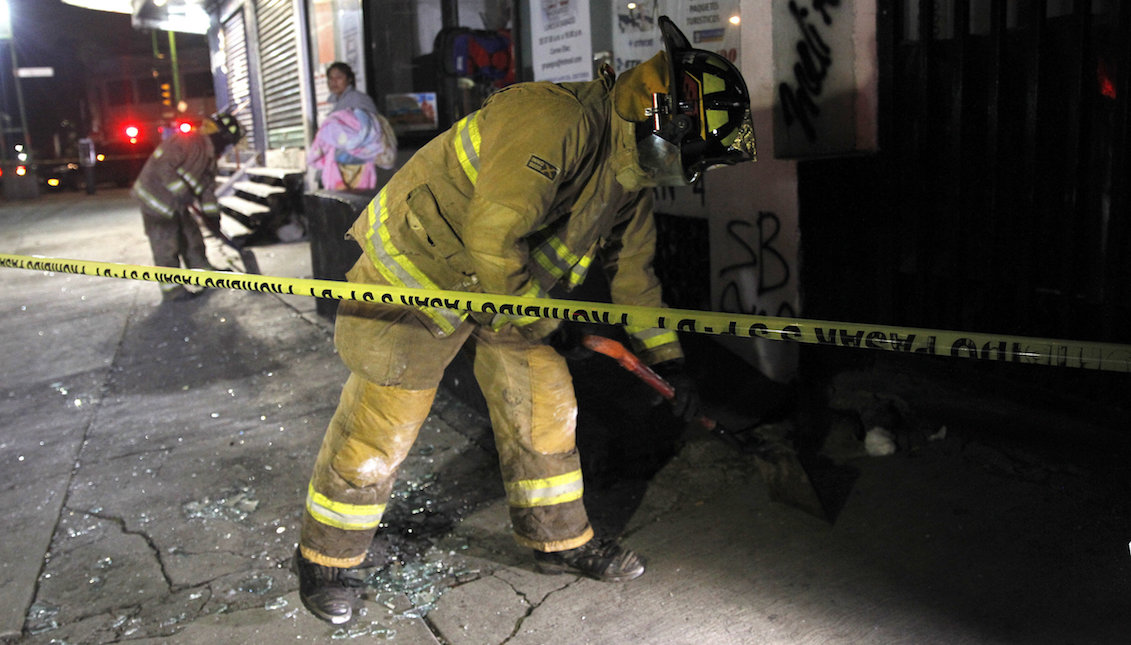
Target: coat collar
{"x":629,"y":174}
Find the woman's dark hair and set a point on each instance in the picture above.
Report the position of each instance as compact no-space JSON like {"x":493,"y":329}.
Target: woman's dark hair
{"x":343,"y":68}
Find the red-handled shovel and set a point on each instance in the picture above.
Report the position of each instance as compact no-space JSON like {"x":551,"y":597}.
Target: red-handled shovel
{"x":782,"y":471}
{"x":247,"y":257}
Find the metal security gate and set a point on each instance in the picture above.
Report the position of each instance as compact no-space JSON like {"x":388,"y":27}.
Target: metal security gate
{"x":281,"y":76}
{"x":238,"y":72}
{"x":998,"y":201}
{"x":1013,"y":124}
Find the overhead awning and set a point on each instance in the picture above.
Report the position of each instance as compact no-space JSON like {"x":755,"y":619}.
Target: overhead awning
{"x":116,"y":6}
{"x":187,"y":16}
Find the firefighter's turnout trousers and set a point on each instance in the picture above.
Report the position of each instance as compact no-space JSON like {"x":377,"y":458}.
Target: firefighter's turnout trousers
{"x":396,"y":365}
{"x":173,"y":240}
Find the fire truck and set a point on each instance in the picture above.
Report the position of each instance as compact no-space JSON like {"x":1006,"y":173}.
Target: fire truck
{"x":132,"y":113}
{"x":132,"y":104}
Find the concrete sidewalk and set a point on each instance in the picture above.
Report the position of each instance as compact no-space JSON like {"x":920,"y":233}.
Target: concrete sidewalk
{"x":154,"y":458}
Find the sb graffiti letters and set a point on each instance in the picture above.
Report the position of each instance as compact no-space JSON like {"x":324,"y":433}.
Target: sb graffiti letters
{"x":761,"y":268}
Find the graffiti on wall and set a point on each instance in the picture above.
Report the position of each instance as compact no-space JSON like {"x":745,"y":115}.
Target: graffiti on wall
{"x":756,"y":262}
{"x":758,"y":274}
{"x":814,"y":55}
{"x":814,"y":73}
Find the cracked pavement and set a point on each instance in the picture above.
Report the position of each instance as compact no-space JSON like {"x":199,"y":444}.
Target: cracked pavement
{"x":155,"y":457}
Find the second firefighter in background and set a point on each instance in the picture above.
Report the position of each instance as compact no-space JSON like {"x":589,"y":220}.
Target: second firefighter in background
{"x":179,"y":175}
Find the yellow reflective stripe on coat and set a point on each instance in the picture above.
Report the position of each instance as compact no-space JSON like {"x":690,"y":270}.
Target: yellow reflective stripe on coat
{"x":528,"y":493}
{"x":396,"y":267}
{"x":176,"y":186}
{"x":467,"y":146}
{"x":556,"y":258}
{"x":152,"y":201}
{"x":192,"y":182}
{"x":578,"y":271}
{"x":348,"y":517}
{"x":553,"y":255}
{"x":650,"y":337}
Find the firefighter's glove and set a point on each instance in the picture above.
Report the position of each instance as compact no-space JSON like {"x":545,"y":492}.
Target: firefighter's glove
{"x":685,"y":402}
{"x":566,"y":340}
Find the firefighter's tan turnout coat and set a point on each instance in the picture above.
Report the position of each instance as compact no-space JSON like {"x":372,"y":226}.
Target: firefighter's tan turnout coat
{"x":524,"y":194}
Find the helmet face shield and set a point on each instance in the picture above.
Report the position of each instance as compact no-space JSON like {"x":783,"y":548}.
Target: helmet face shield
{"x":706,"y":117}
{"x":662,"y":160}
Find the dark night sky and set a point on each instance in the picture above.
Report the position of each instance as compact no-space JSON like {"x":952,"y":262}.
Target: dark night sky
{"x":72,"y":40}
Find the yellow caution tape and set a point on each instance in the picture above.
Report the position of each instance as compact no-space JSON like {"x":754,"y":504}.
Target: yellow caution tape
{"x":909,"y":340}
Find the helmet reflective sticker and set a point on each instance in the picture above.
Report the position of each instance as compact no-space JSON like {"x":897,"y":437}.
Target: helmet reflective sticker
{"x":716,"y":119}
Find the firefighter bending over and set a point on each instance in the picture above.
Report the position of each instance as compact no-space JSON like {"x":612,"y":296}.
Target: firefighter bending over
{"x":181,"y":171}
{"x":520,"y":196}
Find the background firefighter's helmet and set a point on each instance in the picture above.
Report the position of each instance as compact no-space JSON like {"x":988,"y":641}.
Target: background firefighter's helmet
{"x":702,"y":120}
{"x":223,"y":128}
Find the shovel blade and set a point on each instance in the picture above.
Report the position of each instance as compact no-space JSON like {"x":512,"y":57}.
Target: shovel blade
{"x":788,"y":482}
{"x":781,"y":468}
{"x":787,"y":479}
{"x":250,"y":263}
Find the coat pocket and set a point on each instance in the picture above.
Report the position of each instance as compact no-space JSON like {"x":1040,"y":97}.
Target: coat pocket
{"x":433,"y":231}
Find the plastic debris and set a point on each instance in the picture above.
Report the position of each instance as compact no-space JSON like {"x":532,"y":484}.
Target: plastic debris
{"x":879,"y":442}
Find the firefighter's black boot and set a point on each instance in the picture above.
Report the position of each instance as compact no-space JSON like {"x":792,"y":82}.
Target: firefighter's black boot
{"x":603,"y":560}
{"x":326,"y":591}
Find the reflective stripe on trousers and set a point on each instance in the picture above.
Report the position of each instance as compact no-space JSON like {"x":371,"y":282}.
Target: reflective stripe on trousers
{"x":369,"y":436}
{"x":533,"y":412}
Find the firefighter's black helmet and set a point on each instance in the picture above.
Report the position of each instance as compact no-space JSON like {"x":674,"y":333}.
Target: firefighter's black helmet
{"x":702,"y":120}
{"x":224,"y":128}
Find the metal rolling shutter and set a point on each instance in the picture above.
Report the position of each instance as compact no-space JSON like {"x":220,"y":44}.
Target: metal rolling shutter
{"x":239,"y":80}
{"x":279,"y":62}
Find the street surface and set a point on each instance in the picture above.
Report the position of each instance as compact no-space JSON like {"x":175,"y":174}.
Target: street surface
{"x":154,"y":459}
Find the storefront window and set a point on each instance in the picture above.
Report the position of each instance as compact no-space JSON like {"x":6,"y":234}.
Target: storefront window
{"x":433,"y":61}
{"x":336,"y":34}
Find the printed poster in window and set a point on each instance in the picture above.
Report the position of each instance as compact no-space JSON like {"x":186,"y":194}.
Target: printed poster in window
{"x":636,"y":37}
{"x":561,"y":46}
{"x":713,"y":25}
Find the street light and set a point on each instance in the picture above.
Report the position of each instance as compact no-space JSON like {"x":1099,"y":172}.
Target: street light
{"x":6,"y":34}
{"x":5,"y":21}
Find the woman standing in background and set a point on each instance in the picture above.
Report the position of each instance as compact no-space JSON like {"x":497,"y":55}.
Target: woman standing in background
{"x":353,"y":139}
